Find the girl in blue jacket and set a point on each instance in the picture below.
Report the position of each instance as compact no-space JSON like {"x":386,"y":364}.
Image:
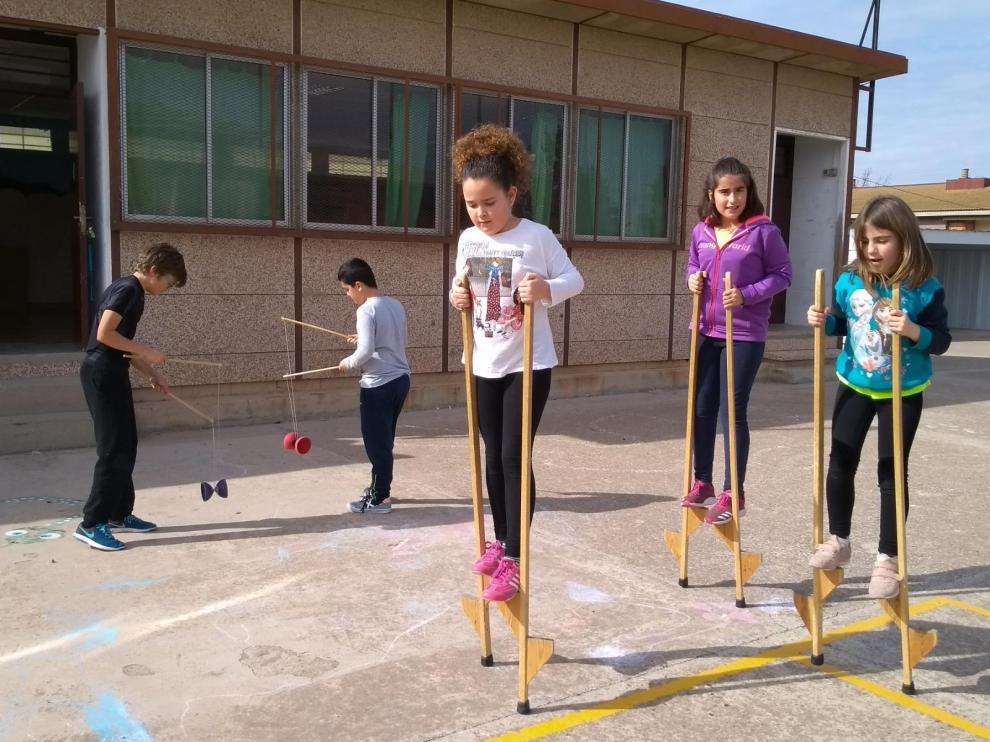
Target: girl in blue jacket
{"x":889,"y":250}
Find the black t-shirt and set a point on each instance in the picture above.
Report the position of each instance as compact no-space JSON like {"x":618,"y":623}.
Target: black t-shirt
{"x":125,"y":296}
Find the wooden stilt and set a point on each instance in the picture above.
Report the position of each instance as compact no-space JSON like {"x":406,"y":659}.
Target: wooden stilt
{"x":746,"y":563}
{"x":915,"y":645}
{"x":475,"y":608}
{"x":533,"y":652}
{"x":823,"y":581}
{"x":691,"y":518}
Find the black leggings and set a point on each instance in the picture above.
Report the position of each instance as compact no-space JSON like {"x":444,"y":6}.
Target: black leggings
{"x":500,"y":421}
{"x":854,"y":413}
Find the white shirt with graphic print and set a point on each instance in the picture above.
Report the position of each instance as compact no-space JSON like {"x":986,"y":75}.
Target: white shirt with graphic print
{"x":495,"y":264}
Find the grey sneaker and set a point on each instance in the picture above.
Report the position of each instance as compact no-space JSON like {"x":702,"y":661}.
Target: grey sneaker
{"x":831,"y":555}
{"x":367,"y":504}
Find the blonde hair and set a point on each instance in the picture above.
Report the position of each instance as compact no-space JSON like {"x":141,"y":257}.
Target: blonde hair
{"x":891,"y":213}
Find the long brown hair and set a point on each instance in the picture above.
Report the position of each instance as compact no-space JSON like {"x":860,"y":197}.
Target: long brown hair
{"x":728,"y":166}
{"x":891,"y":213}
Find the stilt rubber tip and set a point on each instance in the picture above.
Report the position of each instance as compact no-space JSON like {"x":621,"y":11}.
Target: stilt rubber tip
{"x":522,"y":707}
{"x":740,"y":602}
{"x":817,"y":659}
{"x":908,"y":689}
{"x":682,"y":581}
{"x":487,"y":661}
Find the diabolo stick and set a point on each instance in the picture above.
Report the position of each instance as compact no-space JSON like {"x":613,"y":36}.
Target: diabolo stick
{"x":311,"y":371}
{"x":315,"y":327}
{"x":915,"y":645}
{"x":823,"y":581}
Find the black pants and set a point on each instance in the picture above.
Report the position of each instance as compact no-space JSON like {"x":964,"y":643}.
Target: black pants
{"x":500,"y":421}
{"x":711,"y":398}
{"x":380,"y":408}
{"x":108,"y":395}
{"x":854,"y":413}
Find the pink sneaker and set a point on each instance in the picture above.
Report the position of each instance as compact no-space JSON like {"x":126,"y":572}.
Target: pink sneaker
{"x":488,"y":563}
{"x":505,"y":582}
{"x":722,"y":512}
{"x":702,"y":495}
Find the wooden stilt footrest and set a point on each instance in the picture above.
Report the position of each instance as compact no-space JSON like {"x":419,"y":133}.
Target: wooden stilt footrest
{"x":921,"y":643}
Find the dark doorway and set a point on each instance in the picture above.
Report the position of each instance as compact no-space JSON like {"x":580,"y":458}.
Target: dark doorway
{"x":780,"y":208}
{"x":41,"y":302}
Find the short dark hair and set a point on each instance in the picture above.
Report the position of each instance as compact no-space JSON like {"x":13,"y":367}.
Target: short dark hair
{"x":354,"y":270}
{"x":729,"y":166}
{"x":165,"y":260}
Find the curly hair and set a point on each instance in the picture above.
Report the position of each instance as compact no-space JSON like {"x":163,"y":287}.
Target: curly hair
{"x":494,"y":152}
{"x":166,"y":260}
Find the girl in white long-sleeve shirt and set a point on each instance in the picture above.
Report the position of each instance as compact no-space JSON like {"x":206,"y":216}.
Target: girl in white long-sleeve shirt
{"x":504,"y":261}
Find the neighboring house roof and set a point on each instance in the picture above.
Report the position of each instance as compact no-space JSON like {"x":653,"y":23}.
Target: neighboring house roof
{"x":692,"y":27}
{"x":929,"y":198}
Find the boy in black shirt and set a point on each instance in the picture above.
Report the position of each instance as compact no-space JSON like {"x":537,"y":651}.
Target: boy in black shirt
{"x":107,"y":387}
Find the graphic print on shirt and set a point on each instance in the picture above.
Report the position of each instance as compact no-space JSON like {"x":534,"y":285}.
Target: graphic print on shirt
{"x":870,"y":333}
{"x":497,"y":311}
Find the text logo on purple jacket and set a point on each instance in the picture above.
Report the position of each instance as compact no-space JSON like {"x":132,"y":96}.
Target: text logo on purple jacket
{"x":757,"y":258}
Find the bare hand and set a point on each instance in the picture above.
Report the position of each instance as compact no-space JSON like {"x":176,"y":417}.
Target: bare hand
{"x":159,"y":384}
{"x":154,"y":357}
{"x":902,"y":325}
{"x":696,"y":282}
{"x":732,"y":298}
{"x":460,"y":295}
{"x":816,"y":316}
{"x":533,"y":289}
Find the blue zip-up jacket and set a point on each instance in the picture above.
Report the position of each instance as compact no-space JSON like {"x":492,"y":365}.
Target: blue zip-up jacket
{"x":865,"y":361}
{"x":757,"y":258}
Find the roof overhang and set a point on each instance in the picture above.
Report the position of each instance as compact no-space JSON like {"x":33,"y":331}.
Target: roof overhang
{"x":724,"y":33}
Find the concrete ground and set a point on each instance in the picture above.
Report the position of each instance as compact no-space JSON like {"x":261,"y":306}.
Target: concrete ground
{"x":276,"y":615}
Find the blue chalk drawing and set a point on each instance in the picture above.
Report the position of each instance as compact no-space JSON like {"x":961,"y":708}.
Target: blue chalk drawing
{"x":110,"y":721}
{"x":126,"y":585}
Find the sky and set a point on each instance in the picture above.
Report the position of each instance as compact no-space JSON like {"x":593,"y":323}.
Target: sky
{"x":928,"y":124}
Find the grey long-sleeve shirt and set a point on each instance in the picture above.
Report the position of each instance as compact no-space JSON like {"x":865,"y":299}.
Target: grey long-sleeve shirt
{"x":381,"y":346}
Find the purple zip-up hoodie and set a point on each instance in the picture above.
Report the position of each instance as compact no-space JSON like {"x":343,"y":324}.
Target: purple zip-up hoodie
{"x":757,"y":258}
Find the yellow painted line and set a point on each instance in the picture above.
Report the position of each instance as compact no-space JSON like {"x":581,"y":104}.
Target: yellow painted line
{"x":795,"y":651}
{"x":968,"y":607}
{"x":900,"y":699}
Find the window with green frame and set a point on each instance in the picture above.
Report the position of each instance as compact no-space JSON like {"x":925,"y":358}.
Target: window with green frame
{"x":198,"y":139}
{"x":542,"y":127}
{"x":372,"y":153}
{"x":623,"y":189}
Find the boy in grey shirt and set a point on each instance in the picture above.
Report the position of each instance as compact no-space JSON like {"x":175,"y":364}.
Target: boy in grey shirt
{"x":381,"y":358}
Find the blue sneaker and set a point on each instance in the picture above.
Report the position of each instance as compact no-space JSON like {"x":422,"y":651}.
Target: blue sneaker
{"x":99,"y":537}
{"x":132,"y":524}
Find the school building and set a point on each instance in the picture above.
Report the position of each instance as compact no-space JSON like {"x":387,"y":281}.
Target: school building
{"x":272,"y":139}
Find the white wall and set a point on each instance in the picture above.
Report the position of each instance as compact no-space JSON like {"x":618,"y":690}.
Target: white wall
{"x":92,"y":62}
{"x":817,"y":204}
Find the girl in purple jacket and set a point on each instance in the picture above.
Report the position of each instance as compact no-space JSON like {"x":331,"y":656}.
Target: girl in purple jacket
{"x":734,"y":237}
